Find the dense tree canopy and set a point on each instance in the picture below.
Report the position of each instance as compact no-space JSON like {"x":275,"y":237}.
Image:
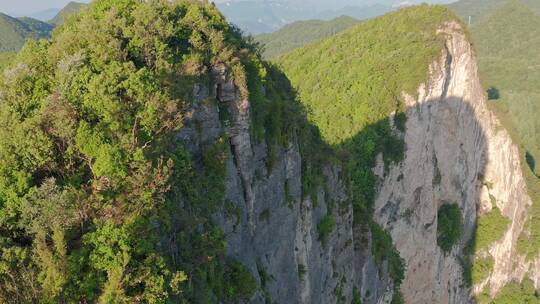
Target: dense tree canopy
{"x":93,"y":191}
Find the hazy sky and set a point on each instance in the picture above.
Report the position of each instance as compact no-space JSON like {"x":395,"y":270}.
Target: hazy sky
{"x":28,"y":7}
{"x":21,"y":7}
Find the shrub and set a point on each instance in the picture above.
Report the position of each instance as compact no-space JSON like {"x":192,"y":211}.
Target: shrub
{"x":449,"y":226}
{"x":357,"y":298}
{"x":481,"y":269}
{"x":490,"y":227}
{"x":301,"y":271}
{"x":514,"y":293}
{"x":239,"y":283}
{"x":325,"y":227}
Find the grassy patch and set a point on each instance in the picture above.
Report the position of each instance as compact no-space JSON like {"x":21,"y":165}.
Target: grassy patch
{"x":481,"y":269}
{"x":514,"y":293}
{"x":490,"y":227}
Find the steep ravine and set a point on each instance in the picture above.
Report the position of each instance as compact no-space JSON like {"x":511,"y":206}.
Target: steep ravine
{"x":457,"y":152}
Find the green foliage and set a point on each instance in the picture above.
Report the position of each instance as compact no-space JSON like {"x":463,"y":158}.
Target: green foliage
{"x":529,"y":240}
{"x":481,"y":269}
{"x":325,"y":227}
{"x":355,"y":79}
{"x":239,"y":283}
{"x":397,"y":297}
{"x":301,"y":271}
{"x":382,"y":250}
{"x":98,"y":201}
{"x":523,"y":292}
{"x":301,"y":33}
{"x":357,"y":298}
{"x":6,"y":58}
{"x":490,"y":227}
{"x":449,"y":226}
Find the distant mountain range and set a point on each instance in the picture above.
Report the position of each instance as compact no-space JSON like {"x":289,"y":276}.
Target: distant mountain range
{"x":45,"y":15}
{"x":15,"y":31}
{"x":479,"y":10}
{"x":256,"y":17}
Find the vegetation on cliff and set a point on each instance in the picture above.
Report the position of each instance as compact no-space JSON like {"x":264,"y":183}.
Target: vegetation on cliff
{"x":505,"y":34}
{"x":449,"y":226}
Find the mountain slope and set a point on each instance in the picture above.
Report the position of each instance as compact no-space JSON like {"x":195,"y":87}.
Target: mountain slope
{"x":300,"y":33}
{"x":479,"y":9}
{"x":14,"y":32}
{"x":356,"y":67}
{"x":449,"y":130}
{"x":360,"y":93}
{"x":70,"y":9}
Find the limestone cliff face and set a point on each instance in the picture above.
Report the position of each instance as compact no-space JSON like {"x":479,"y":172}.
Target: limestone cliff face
{"x":457,"y":152}
{"x":455,"y":149}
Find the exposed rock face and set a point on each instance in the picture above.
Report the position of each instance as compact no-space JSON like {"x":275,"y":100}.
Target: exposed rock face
{"x":457,"y":152}
{"x":268,"y":224}
{"x":455,"y":147}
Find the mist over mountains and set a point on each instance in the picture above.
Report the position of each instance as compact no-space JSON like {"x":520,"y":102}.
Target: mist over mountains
{"x":265,"y":16}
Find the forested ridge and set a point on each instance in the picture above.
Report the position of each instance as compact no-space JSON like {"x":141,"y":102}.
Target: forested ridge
{"x":97,"y":202}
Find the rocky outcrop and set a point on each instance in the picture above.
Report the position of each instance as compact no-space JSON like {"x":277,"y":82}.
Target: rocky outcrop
{"x":457,"y":152}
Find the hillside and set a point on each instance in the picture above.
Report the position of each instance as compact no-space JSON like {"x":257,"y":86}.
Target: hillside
{"x":70,"y":9}
{"x":355,"y":66}
{"x":300,"y":33}
{"x":480,"y":9}
{"x":351,"y":84}
{"x":14,"y":32}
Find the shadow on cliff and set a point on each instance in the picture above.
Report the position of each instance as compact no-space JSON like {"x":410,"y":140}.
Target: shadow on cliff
{"x":448,"y":143}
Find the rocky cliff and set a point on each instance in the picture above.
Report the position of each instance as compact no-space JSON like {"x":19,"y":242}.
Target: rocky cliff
{"x":457,"y":152}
